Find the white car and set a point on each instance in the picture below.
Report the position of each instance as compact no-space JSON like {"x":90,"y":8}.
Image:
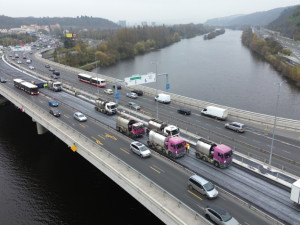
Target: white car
{"x":108,"y":91}
{"x":80,"y":116}
{"x":140,"y":149}
{"x":131,"y":95}
{"x":31,"y":67}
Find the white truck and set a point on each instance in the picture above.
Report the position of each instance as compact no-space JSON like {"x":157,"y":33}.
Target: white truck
{"x":163,"y":98}
{"x":54,"y":85}
{"x":105,"y":107}
{"x":215,"y":112}
{"x":295,"y":192}
{"x":164,"y":128}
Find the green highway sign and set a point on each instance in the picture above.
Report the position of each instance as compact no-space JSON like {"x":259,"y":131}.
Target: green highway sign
{"x":135,"y":78}
{"x":140,"y":79}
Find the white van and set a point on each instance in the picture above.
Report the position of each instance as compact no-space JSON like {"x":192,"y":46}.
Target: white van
{"x":215,"y":112}
{"x":163,"y":98}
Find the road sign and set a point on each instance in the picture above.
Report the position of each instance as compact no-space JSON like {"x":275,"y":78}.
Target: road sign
{"x":140,"y":79}
{"x":167,"y":86}
{"x":117,"y":95}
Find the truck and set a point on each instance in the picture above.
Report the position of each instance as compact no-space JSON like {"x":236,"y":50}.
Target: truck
{"x":295,"y":192}
{"x":163,"y":98}
{"x":54,"y":85}
{"x":39,"y":84}
{"x":216,"y":112}
{"x":164,"y":128}
{"x":219,"y":155}
{"x":129,"y":126}
{"x":172,"y":146}
{"x":105,"y":106}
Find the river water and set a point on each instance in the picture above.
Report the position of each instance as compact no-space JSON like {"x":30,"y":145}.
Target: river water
{"x":220,"y":70}
{"x":43,"y":182}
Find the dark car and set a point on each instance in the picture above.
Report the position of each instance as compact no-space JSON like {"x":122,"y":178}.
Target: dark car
{"x":54,"y":112}
{"x":55,"y":72}
{"x":118,"y":87}
{"x":184,"y":111}
{"x":2,"y":80}
{"x":138,"y":92}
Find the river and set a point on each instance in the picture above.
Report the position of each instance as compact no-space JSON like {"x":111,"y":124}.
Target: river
{"x":220,"y":70}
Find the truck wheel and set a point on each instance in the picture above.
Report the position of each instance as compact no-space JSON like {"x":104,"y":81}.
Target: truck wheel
{"x":216,"y":164}
{"x":207,"y":216}
{"x":204,"y":158}
{"x":197,"y":155}
{"x":164,"y":151}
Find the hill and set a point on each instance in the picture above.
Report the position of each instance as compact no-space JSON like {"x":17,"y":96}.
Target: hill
{"x":288,"y":23}
{"x":254,"y":19}
{"x":65,"y":22}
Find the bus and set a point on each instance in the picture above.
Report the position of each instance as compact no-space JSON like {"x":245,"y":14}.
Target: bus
{"x":99,"y":82}
{"x":26,"y":86}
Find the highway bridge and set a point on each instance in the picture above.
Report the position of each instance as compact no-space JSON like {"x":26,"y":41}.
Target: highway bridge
{"x":160,"y":183}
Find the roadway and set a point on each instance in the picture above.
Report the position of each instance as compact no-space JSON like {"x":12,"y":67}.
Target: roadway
{"x":164,"y":171}
{"x":255,"y":141}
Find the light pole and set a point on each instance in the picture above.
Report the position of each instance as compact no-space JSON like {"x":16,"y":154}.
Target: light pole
{"x":97,"y":76}
{"x":273,"y":133}
{"x":156,"y":87}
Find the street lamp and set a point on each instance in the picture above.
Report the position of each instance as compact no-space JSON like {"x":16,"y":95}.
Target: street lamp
{"x":97,"y":76}
{"x":156,"y":87}
{"x":272,"y":143}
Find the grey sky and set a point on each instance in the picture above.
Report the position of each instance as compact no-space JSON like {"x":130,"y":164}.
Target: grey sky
{"x":135,"y":11}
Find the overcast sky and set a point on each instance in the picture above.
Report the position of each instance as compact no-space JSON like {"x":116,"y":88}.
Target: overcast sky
{"x":136,"y":11}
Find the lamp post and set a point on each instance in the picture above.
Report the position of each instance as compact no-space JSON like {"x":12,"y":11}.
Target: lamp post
{"x":97,"y":76}
{"x":156,"y":87}
{"x":275,"y":119}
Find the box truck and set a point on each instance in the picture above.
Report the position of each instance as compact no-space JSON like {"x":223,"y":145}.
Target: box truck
{"x":295,"y":192}
{"x":215,"y":112}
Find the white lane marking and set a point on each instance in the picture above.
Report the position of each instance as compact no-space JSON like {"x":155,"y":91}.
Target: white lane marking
{"x":286,"y":151}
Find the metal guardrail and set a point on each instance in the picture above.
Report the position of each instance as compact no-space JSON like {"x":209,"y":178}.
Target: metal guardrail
{"x":258,"y":118}
{"x":168,"y":206}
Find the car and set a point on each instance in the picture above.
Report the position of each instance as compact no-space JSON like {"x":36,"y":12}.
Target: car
{"x":24,"y":57}
{"x":80,"y":116}
{"x":131,"y":95}
{"x":138,"y":92}
{"x":118,"y":87}
{"x":31,"y":67}
{"x":219,"y":215}
{"x":108,"y":91}
{"x":134,"y":105}
{"x":203,"y":186}
{"x":140,"y":149}
{"x":53,"y":103}
{"x":184,"y":111}
{"x":54,"y":112}
{"x":2,"y":80}
{"x":236,"y":126}
{"x":51,"y":69}
{"x":28,"y":61}
{"x":19,"y":62}
{"x":47,"y":66}
{"x":55,"y":72}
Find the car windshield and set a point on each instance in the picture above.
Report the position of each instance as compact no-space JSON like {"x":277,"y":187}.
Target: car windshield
{"x":208,"y":186}
{"x":228,"y":154}
{"x":180,"y":145}
{"x":143,"y":148}
{"x":225,"y":216}
{"x":80,"y":115}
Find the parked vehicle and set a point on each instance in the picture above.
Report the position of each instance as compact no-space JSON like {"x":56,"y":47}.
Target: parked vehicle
{"x":80,"y":117}
{"x":140,"y":149}
{"x":108,"y":91}
{"x":131,"y":95}
{"x":163,"y":98}
{"x":54,"y":85}
{"x":219,"y":216}
{"x":172,"y":146}
{"x":219,"y":155}
{"x":215,"y":112}
{"x":295,"y":192}
{"x":105,"y":106}
{"x":130,"y":126}
{"x":54,"y":112}
{"x":162,"y":127}
{"x":238,"y":127}
{"x":203,"y":186}
{"x":134,"y":105}
{"x":53,"y":103}
{"x":184,"y":111}
{"x":138,"y":92}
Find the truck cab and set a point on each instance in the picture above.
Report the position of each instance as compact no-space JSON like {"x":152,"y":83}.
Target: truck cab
{"x":176,"y":145}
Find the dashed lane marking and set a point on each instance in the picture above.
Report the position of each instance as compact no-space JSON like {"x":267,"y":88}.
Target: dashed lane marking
{"x":124,"y":150}
{"x":194,"y":194}
{"x":157,"y":171}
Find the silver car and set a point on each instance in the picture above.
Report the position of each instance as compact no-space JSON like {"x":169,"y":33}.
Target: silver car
{"x":203,"y":186}
{"x":80,"y":116}
{"x":238,"y":127}
{"x":219,"y":216}
{"x":134,"y":105}
{"x":140,"y":149}
{"x":131,"y":95}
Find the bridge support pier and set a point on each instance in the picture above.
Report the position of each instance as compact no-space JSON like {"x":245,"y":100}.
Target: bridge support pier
{"x":40,"y":129}
{"x":2,"y":100}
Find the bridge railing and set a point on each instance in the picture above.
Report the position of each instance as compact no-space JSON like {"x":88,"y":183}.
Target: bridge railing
{"x":253,"y":117}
